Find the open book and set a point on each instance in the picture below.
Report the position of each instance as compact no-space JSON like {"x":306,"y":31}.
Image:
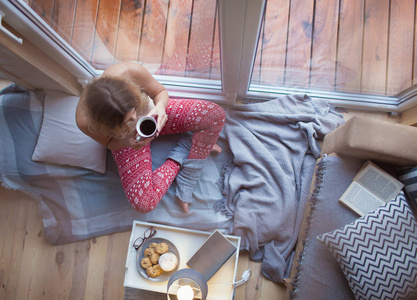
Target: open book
{"x":371,"y":188}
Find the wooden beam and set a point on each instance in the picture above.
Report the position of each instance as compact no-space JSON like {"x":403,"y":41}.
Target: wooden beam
{"x":29,"y":53}
{"x":6,"y":75}
{"x":409,"y":117}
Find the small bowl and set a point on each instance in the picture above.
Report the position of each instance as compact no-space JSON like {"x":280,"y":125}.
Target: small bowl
{"x":165,"y":275}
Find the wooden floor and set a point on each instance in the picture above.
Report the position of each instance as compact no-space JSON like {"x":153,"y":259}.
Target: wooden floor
{"x":31,"y":268}
{"x":359,"y":46}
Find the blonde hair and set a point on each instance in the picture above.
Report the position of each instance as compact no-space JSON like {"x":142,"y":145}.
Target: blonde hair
{"x":107,"y":100}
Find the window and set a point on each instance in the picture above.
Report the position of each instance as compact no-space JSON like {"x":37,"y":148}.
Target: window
{"x":353,"y":53}
{"x":361,"y":50}
{"x":176,"y":40}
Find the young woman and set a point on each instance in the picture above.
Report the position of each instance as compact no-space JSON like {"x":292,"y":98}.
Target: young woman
{"x":108,"y":110}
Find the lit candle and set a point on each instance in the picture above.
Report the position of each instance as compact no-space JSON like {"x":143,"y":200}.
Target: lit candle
{"x":185,"y":292}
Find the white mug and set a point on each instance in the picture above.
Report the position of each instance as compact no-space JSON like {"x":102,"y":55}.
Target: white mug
{"x":146,"y":127}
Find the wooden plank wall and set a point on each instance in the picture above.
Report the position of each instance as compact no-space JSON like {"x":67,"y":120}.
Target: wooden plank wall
{"x":360,"y":46}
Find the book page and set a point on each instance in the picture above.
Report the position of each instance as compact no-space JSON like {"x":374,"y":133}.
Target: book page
{"x":379,"y":182}
{"x":360,"y":200}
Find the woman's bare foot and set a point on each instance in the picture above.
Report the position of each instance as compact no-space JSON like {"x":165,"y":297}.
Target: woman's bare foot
{"x":184,"y":206}
{"x":216,"y":148}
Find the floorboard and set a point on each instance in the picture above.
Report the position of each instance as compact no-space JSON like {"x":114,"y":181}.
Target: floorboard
{"x":300,"y":32}
{"x":83,"y":31}
{"x":274,"y":44}
{"x":375,"y":46}
{"x":400,"y":45}
{"x":349,"y":47}
{"x":324,"y":47}
{"x":129,"y":31}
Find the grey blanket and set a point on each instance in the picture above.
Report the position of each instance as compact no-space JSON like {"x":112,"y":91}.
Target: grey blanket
{"x":274,"y":145}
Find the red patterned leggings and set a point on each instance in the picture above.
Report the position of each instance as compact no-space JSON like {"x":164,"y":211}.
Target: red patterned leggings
{"x":143,"y":187}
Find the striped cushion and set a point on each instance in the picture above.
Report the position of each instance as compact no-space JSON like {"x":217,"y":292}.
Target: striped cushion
{"x":378,"y":252}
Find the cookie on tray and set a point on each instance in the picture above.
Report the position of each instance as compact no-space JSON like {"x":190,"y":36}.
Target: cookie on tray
{"x":161,"y":248}
{"x":145,"y":262}
{"x":148,"y":252}
{"x":157,"y":269}
{"x":150,"y":271}
{"x":154,"y":258}
{"x":154,"y":271}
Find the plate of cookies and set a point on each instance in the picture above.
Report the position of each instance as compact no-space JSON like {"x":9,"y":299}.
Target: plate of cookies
{"x":157,"y":259}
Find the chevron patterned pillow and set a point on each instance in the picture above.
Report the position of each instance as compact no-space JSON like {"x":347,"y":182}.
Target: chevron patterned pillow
{"x":378,"y":252}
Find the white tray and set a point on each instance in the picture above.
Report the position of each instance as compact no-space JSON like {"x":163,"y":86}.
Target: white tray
{"x":187,"y":242}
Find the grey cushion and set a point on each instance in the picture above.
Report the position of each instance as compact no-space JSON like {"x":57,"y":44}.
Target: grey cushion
{"x":316,"y":274}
